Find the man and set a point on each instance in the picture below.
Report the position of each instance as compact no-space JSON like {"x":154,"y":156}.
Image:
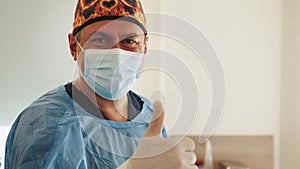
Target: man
{"x":96,"y":121}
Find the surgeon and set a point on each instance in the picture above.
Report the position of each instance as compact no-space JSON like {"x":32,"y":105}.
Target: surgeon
{"x":96,"y":121}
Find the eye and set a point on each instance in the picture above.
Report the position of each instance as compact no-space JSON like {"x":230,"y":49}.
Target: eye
{"x":100,"y":41}
{"x":130,"y":43}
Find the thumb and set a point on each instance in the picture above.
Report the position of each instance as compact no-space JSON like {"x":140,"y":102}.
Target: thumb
{"x":156,"y":125}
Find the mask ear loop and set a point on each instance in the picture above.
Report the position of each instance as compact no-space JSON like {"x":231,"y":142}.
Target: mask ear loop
{"x":81,"y":48}
{"x":81,"y":71}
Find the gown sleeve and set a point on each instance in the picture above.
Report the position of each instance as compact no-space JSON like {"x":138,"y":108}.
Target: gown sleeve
{"x":37,"y":140}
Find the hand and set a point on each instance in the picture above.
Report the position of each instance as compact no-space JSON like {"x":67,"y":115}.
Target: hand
{"x":155,"y":152}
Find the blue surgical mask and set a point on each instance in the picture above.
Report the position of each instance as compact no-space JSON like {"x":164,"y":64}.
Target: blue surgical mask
{"x":111,"y":73}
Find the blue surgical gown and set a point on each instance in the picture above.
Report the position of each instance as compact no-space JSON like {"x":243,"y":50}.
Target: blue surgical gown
{"x":56,"y":132}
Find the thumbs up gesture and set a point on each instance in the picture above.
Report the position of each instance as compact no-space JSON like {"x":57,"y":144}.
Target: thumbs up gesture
{"x":155,"y":152}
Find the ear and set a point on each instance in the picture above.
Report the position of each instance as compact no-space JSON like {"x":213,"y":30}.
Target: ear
{"x":72,"y":46}
{"x":146,"y":44}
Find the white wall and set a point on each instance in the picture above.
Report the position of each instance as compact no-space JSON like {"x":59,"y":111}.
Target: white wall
{"x":290,"y":117}
{"x":247,"y":36}
{"x":4,"y":130}
{"x":34,"y":52}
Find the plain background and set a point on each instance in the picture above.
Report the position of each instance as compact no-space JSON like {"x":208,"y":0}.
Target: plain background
{"x":257,"y":42}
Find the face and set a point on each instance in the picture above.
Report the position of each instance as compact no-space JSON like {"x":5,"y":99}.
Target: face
{"x":108,"y":34}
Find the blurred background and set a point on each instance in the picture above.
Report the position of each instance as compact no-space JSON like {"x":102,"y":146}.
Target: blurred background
{"x":257,"y":42}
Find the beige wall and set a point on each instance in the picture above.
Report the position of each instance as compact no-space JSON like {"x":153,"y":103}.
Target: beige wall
{"x":290,"y":116}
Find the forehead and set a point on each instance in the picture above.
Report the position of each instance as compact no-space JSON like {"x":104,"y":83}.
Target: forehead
{"x":112,"y":28}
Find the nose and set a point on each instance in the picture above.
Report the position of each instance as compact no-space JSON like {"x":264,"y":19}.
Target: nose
{"x":116,"y":45}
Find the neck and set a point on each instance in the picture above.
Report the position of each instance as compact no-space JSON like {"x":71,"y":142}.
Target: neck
{"x":115,"y":110}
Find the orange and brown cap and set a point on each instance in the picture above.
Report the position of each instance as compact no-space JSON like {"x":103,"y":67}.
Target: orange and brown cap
{"x":90,"y":11}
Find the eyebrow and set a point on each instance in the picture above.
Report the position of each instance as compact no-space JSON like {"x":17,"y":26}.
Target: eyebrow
{"x":133,"y":35}
{"x":100,"y":33}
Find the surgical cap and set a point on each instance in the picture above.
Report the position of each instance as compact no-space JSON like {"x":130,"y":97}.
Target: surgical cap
{"x":90,"y":11}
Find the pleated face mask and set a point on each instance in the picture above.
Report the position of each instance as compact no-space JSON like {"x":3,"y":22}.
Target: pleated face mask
{"x":111,"y":73}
